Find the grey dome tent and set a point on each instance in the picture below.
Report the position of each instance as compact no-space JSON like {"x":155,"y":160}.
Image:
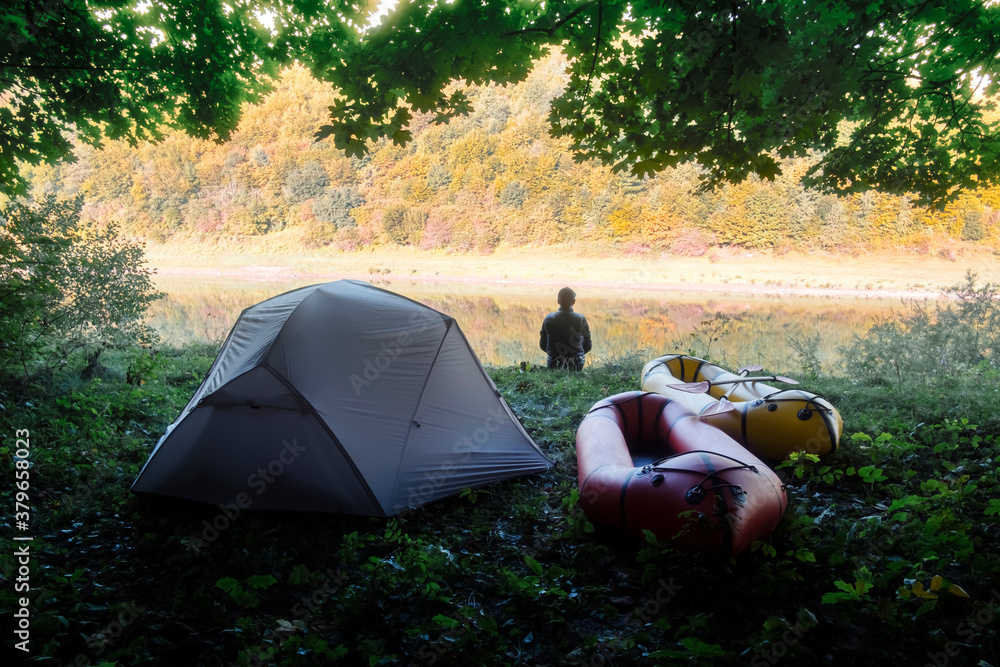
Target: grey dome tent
{"x":340,"y":397}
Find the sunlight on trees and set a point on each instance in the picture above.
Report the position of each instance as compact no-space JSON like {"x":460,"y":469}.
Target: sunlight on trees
{"x":479,"y":183}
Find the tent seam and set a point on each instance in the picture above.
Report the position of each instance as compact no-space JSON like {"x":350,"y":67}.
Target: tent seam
{"x":448,"y":322}
{"x":229,"y":336}
{"x":326,"y":427}
{"x":503,"y":402}
{"x":270,"y":346}
{"x":185,"y":412}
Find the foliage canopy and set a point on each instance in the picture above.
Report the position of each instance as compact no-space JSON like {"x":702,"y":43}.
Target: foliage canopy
{"x":734,"y":86}
{"x":889,"y":91}
{"x":119,"y":69}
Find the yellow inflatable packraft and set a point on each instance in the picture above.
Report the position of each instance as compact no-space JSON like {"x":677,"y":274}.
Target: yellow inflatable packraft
{"x":769,"y":421}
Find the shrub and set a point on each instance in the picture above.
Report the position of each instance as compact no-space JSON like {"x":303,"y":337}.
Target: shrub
{"x":403,"y":225}
{"x":624,"y":222}
{"x":259,"y":157}
{"x":692,"y":242}
{"x":513,"y":195}
{"x":974,"y":230}
{"x":251,"y":220}
{"x":437,"y":232}
{"x":334,"y":206}
{"x":316,"y":234}
{"x":438,"y":177}
{"x":931,"y":346}
{"x":307,"y":182}
{"x":70,"y":289}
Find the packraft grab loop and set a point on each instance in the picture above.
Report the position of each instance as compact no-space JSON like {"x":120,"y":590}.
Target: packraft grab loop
{"x":696,"y":494}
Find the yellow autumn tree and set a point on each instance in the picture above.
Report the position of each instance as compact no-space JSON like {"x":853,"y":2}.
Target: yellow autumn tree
{"x":625,"y":222}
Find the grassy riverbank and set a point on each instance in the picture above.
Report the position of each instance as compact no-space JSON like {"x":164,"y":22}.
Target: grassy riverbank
{"x":282,"y":258}
{"x":889,"y":552}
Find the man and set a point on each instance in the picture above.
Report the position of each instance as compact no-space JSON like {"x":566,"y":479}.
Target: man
{"x":565,"y":336}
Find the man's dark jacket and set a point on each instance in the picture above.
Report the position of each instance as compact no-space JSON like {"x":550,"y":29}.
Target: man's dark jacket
{"x":565,"y":337}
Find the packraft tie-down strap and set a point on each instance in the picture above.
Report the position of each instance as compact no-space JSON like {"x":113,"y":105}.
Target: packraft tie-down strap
{"x":614,"y":404}
{"x":809,"y":400}
{"x":696,"y":493}
{"x":654,"y":465}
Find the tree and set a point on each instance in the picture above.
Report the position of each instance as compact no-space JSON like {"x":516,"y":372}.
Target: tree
{"x":888,"y":90}
{"x":307,"y":182}
{"x":403,"y":225}
{"x":513,"y":195}
{"x":334,"y":207}
{"x":121,"y":70}
{"x":68,"y":289}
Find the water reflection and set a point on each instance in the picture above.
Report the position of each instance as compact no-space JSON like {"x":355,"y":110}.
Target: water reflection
{"x":502,"y":322}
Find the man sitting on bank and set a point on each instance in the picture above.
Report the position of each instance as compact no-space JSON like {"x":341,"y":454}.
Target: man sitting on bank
{"x":565,"y":335}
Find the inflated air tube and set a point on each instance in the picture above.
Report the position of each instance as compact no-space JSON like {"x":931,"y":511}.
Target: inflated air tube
{"x":647,"y":462}
{"x":769,"y":421}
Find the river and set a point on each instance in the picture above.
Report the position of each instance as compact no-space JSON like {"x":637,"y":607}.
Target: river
{"x":501,"y":322}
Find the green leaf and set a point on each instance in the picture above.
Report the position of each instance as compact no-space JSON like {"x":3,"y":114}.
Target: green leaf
{"x":993,"y":507}
{"x":534,"y":565}
{"x":701,"y":649}
{"x":805,"y":555}
{"x":259,"y":581}
{"x":446,"y":621}
{"x":228,"y":584}
{"x":299,"y":575}
{"x":488,"y":625}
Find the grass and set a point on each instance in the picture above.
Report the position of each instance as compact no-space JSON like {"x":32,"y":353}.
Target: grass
{"x":888,"y":554}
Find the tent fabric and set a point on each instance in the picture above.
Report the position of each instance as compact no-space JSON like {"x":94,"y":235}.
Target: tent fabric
{"x":340,"y":397}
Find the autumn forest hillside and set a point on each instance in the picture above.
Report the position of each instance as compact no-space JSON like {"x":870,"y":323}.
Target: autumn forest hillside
{"x":493,"y":178}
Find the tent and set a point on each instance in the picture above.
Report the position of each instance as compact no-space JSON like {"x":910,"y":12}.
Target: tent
{"x":340,"y":397}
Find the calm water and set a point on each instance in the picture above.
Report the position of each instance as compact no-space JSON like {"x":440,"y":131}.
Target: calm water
{"x":502,"y":322}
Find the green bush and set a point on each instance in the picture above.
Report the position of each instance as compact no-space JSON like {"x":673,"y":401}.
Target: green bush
{"x":306,"y":182}
{"x":973,"y":230}
{"x":70,"y":290}
{"x":403,"y":225}
{"x":334,"y":206}
{"x":939,"y":360}
{"x":931,"y":344}
{"x":513,"y":195}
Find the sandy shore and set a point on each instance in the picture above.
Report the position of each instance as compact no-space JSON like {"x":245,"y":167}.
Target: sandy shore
{"x":884,"y":276}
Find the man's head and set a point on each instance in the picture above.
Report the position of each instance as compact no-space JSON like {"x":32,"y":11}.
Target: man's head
{"x":567,"y":297}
